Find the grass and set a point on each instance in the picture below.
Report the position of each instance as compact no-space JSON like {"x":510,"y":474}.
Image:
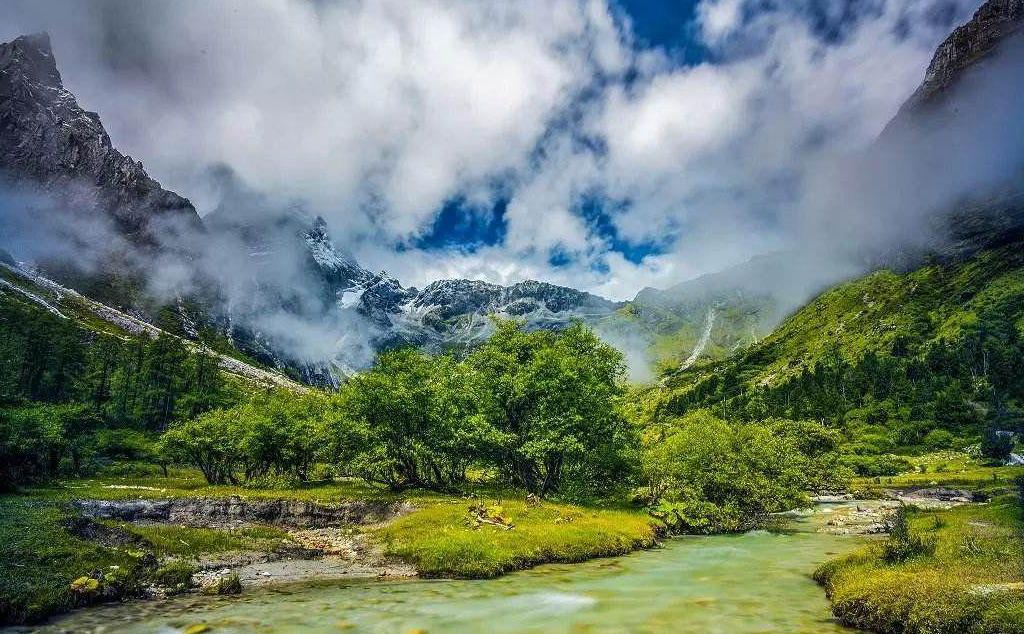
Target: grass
{"x":190,"y":483}
{"x":39,"y":560}
{"x":971,"y":583}
{"x":170,"y":540}
{"x":948,"y":469}
{"x":440,"y":541}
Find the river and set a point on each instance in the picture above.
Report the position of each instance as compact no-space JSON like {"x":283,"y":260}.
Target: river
{"x":730,"y":584}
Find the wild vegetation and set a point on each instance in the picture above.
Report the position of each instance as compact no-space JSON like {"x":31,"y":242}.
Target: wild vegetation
{"x":72,"y":398}
{"x":561,"y":458}
{"x":899,"y":364}
{"x":946,"y":571}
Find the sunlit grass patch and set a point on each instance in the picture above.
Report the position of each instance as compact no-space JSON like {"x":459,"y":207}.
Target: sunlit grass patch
{"x":441,"y":540}
{"x":946,"y":468}
{"x":972,"y":582}
{"x":169,"y":540}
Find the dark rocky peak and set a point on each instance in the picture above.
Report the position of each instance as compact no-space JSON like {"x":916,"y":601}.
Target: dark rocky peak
{"x":557,"y":298}
{"x":993,"y":23}
{"x":47,"y":139}
{"x":33,"y":57}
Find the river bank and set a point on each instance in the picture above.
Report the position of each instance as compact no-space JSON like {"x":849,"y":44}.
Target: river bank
{"x":741,"y":583}
{"x":954,"y":564}
{"x":79,"y":543}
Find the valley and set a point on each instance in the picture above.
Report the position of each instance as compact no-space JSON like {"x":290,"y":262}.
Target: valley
{"x":215,"y":418}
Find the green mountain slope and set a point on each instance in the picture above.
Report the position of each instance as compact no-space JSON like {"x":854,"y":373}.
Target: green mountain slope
{"x":891,"y":357}
{"x":38,"y":299}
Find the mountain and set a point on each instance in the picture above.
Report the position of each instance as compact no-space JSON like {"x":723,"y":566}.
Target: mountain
{"x":48,"y":139}
{"x":269,"y":279}
{"x":921,"y":357}
{"x":993,"y":25}
{"x":335,"y":290}
{"x":34,"y":292}
{"x":965,"y":122}
{"x":274,"y":284}
{"x":971,"y":92}
{"x":714,"y":315}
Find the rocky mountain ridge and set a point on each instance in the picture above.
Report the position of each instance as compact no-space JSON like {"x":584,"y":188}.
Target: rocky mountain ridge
{"x":48,"y":139}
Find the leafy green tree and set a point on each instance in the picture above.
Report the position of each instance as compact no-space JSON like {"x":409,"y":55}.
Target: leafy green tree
{"x":552,"y":397}
{"x":161,"y":381}
{"x":207,"y":442}
{"x":412,"y":420}
{"x":704,"y":475}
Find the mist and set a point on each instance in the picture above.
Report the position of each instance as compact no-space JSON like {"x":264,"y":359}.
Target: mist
{"x":373,"y":116}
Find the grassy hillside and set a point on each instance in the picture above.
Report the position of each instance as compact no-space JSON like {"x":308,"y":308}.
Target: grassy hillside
{"x":892,"y":357}
{"x":41,"y":300}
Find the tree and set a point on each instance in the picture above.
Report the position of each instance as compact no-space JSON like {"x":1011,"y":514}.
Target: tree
{"x":207,"y":442}
{"x":704,"y":475}
{"x":161,"y":381}
{"x":551,"y":398}
{"x":412,"y":420}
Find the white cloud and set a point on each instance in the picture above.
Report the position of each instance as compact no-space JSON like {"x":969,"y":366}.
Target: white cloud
{"x":377,"y":111}
{"x":719,"y":18}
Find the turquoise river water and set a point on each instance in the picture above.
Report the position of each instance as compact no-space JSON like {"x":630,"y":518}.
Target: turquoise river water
{"x":732,"y":584}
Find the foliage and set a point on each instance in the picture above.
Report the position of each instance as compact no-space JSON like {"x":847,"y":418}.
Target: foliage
{"x":897,"y":362}
{"x":541,"y":408}
{"x":277,"y":432}
{"x":877,"y":465}
{"x":413,"y":420}
{"x":552,"y":399}
{"x":36,"y":441}
{"x":72,"y":397}
{"x":704,"y":475}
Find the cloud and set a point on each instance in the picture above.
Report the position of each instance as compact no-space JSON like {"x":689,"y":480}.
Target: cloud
{"x":375,"y":113}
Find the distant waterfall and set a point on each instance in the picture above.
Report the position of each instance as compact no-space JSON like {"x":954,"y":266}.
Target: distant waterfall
{"x":709,"y":323}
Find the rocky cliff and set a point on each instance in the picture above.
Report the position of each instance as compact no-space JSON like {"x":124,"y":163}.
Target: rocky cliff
{"x":48,"y":139}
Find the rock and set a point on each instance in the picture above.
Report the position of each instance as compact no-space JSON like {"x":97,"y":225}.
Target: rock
{"x":227,"y":583}
{"x":993,"y":22}
{"x":236,"y":510}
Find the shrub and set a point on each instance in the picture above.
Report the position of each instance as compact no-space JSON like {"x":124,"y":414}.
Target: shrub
{"x":704,"y":475}
{"x":902,"y":543}
{"x":176,"y":577}
{"x":996,"y":444}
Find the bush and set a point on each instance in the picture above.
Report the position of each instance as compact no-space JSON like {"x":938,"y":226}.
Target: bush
{"x":278,"y":434}
{"x":39,"y":441}
{"x":939,"y":439}
{"x":902,"y":544}
{"x":274,"y":481}
{"x":176,"y":577}
{"x":996,"y":444}
{"x":705,"y":475}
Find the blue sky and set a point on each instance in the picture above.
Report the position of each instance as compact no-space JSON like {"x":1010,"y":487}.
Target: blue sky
{"x":666,"y":25}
